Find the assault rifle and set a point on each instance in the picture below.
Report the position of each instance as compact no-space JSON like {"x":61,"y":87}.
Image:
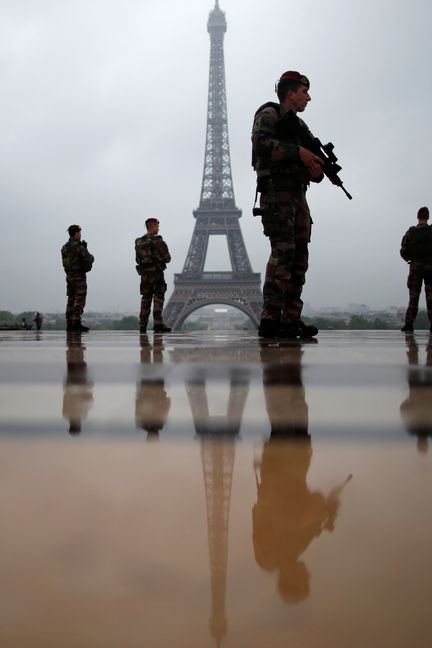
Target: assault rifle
{"x":325,"y":152}
{"x":290,"y":126}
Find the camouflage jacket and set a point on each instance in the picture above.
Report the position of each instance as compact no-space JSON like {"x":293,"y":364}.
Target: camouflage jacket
{"x":151,"y":253}
{"x":417,"y":244}
{"x":274,"y":154}
{"x":76,"y":258}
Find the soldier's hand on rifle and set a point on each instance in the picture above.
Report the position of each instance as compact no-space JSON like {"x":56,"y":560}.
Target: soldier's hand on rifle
{"x":312,"y":162}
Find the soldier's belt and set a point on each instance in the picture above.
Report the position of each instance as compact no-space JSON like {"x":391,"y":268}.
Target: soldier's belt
{"x":287,"y":181}
{"x":153,"y":267}
{"x":280,"y":182}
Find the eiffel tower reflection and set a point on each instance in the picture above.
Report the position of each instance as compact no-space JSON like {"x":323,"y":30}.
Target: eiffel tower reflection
{"x":218,"y":436}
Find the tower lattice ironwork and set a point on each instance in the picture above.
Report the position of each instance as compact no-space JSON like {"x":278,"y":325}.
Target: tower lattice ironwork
{"x":217,"y":213}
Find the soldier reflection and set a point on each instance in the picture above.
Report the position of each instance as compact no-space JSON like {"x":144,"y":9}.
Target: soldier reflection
{"x":78,"y":389}
{"x":288,"y":515}
{"x":152,"y":404}
{"x":416,"y":411}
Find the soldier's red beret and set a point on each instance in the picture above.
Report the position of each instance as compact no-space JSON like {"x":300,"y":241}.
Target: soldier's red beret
{"x":292,"y":75}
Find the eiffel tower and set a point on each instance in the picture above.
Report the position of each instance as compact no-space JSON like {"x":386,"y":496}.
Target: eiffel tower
{"x":217,"y":213}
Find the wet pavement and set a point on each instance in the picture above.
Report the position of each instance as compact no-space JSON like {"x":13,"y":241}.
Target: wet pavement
{"x":205,"y":489}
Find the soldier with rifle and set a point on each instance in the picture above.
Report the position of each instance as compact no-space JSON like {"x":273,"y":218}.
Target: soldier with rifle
{"x":416,"y":249}
{"x":286,"y":158}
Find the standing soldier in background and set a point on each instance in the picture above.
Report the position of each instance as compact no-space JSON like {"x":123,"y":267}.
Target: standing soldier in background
{"x":77,"y":261}
{"x":416,"y":249}
{"x":152,"y":256}
{"x":284,"y":169}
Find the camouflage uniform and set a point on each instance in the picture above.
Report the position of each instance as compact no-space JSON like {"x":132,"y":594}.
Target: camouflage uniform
{"x":416,"y":248}
{"x":152,"y":255}
{"x":77,"y":261}
{"x":282,"y":182}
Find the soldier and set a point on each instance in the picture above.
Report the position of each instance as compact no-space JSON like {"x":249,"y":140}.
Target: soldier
{"x":284,"y":169}
{"x":77,"y":261}
{"x":416,"y":249}
{"x":152,"y":255}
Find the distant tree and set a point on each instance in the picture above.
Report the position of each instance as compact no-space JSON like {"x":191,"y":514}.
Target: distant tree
{"x":29,"y":317}
{"x":55,"y":323}
{"x":6,"y":317}
{"x":326,"y":323}
{"x":104,"y":325}
{"x":359,"y":323}
{"x":378,"y":324}
{"x":129,"y":323}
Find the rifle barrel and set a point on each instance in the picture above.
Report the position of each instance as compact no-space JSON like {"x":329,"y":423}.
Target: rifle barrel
{"x":345,"y":191}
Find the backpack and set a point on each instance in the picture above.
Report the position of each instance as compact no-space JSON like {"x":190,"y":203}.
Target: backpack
{"x":420,"y":243}
{"x":74,"y":259}
{"x":68,"y":257}
{"x":269,"y":104}
{"x":146,"y":253}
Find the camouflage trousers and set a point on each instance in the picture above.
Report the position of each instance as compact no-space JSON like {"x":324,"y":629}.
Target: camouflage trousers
{"x":76,"y":290}
{"x":419,"y":273}
{"x":287,"y":223}
{"x":153,"y":289}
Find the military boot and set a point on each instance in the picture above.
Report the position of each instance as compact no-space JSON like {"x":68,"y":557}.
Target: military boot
{"x":407,"y":328}
{"x":268,"y":328}
{"x":307,"y":330}
{"x":290,"y":330}
{"x":161,"y":328}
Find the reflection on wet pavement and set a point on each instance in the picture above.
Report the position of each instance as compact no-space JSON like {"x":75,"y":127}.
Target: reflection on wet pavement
{"x":78,"y":395}
{"x":288,"y":515}
{"x":152,"y":403}
{"x":416,"y":410}
{"x":285,"y":503}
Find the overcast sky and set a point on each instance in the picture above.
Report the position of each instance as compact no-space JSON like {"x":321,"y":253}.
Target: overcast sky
{"x":103,"y":116}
